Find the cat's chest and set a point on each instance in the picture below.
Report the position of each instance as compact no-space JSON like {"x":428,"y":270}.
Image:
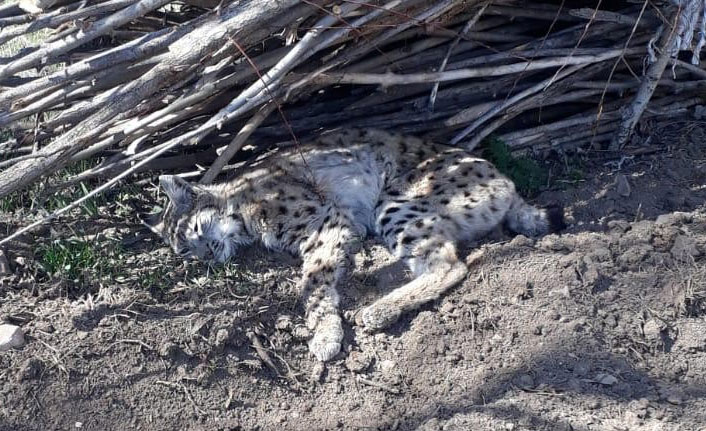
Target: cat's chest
{"x":352,"y":179}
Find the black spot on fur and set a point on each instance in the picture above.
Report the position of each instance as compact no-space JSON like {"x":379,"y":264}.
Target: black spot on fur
{"x":385,"y":220}
{"x":408,"y":239}
{"x":392,"y":210}
{"x":444,"y":201}
{"x":419,"y":224}
{"x":282,"y":210}
{"x":393,"y":193}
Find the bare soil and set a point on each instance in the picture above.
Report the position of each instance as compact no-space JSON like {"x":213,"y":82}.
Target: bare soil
{"x":599,"y":328}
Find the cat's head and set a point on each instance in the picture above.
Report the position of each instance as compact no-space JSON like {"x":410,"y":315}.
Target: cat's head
{"x":197,"y":223}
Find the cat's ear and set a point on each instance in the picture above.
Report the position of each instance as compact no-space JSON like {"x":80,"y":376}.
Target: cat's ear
{"x":180,"y":192}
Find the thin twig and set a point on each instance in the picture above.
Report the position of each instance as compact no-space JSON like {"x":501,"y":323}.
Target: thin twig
{"x":454,"y":44}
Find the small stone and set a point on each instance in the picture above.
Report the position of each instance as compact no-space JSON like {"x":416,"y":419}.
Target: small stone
{"x":606,"y":379}
{"x":684,"y":248}
{"x":358,"y":362}
{"x":509,"y":426}
{"x":622,"y":186}
{"x":387,"y":366}
{"x":448,"y":308}
{"x":11,"y":336}
{"x":652,"y":330}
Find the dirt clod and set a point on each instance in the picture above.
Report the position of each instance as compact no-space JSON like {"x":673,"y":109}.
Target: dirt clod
{"x":358,"y":362}
{"x":30,"y":369}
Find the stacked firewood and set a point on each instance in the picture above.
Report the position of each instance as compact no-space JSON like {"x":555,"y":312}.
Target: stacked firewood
{"x":150,"y":85}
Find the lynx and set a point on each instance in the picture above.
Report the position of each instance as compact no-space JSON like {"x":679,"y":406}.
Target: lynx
{"x":315,"y":200}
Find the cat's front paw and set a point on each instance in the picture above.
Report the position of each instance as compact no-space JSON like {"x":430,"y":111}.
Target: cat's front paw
{"x":376,"y":317}
{"x":326,"y":342}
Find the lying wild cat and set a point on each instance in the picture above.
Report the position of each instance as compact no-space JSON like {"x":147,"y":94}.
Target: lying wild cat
{"x":421,"y":198}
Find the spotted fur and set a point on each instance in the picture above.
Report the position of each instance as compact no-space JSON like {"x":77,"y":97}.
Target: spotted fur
{"x":421,"y":198}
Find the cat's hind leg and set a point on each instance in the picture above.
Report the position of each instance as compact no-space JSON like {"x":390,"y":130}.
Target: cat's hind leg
{"x":425,"y":243}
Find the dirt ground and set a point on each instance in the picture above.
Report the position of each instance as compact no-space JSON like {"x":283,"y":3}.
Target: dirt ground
{"x":599,"y":328}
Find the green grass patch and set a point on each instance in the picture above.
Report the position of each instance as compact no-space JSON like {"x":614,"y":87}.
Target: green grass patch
{"x":68,"y":259}
{"x":528,"y":175}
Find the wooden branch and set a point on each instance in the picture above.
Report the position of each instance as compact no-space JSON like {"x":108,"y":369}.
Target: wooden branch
{"x":237,"y":143}
{"x":96,"y":29}
{"x":58,"y":17}
{"x":633,"y":112}
{"x":389,"y":79}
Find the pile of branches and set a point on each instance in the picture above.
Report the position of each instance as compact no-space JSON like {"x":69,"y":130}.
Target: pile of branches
{"x":141,"y":85}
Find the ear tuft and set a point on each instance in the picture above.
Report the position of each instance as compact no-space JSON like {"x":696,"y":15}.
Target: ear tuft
{"x":180,"y":192}
{"x":154,"y":222}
